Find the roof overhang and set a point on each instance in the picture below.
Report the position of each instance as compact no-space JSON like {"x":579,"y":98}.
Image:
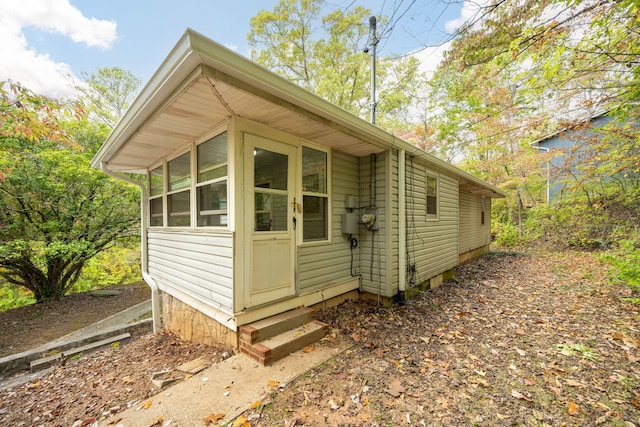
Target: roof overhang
{"x":202,"y":84}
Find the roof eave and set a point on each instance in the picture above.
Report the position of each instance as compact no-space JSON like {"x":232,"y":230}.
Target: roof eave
{"x":194,"y":49}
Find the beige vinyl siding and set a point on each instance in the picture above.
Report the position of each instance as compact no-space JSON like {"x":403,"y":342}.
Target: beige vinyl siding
{"x":473,"y":234}
{"x":374,"y":264}
{"x":432,"y":245}
{"x":324,"y":264}
{"x":199,"y":264}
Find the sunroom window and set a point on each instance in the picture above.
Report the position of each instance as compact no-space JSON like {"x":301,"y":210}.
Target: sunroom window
{"x":315,"y":196}
{"x":432,"y":196}
{"x":211,"y":188}
{"x":179,"y":191}
{"x":156,"y":191}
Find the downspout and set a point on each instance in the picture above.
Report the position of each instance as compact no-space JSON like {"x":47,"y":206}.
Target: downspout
{"x":155,"y":294}
{"x":402,"y":226}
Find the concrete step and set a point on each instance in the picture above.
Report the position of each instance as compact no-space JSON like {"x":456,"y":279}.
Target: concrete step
{"x":21,"y":361}
{"x":48,"y":361}
{"x":274,"y":348}
{"x":274,"y":325}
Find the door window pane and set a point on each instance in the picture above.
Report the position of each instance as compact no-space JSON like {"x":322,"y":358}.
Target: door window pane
{"x":270,"y":211}
{"x":270,"y":169}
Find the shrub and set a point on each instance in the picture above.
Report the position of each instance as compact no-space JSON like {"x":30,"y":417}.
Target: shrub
{"x":625,"y":263}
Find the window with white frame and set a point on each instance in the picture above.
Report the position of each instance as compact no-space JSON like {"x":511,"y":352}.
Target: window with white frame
{"x":179,"y":191}
{"x":156,"y":194}
{"x":432,"y":195}
{"x":315,"y":195}
{"x":211,"y":186}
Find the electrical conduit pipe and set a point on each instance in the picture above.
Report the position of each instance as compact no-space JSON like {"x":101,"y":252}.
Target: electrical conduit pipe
{"x":402,"y":218}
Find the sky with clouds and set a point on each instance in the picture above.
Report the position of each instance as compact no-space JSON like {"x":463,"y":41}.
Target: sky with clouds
{"x":46,"y":44}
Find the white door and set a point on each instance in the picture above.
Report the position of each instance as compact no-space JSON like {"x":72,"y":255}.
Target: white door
{"x":269,"y":219}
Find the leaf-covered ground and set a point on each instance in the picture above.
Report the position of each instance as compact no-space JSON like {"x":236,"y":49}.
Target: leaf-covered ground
{"x":529,"y":340}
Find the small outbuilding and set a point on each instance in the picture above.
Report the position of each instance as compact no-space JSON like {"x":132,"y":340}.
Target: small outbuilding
{"x":261,"y":199}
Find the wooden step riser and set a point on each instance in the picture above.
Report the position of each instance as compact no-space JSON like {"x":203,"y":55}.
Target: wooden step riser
{"x":268,"y":328}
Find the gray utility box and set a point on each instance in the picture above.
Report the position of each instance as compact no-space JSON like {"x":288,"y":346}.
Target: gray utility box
{"x":349,"y":223}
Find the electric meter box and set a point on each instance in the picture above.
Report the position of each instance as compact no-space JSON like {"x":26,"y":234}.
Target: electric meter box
{"x":349,"y":223}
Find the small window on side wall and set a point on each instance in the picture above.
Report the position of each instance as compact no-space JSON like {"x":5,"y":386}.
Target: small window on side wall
{"x":432,"y":195}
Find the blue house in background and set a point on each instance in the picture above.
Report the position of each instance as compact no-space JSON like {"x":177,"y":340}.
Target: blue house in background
{"x":568,"y":147}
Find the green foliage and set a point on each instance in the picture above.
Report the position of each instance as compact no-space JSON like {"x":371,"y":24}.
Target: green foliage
{"x":625,"y":263}
{"x":117,"y":265}
{"x":324,"y":54}
{"x":517,"y":75}
{"x":12,"y":296}
{"x":26,"y":115}
{"x":577,"y":349}
{"x":507,"y":235}
{"x":585,"y":223}
{"x":56,"y":214}
{"x":107,"y":94}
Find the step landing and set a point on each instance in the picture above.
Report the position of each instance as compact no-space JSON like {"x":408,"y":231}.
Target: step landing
{"x":273,"y":338}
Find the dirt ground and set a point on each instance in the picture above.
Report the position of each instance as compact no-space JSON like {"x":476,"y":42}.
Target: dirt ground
{"x":537,"y":339}
{"x":30,"y":326}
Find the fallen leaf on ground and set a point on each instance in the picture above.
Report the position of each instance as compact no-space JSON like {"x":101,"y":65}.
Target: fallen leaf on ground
{"x":538,"y":415}
{"x":127,"y":380}
{"x":212,"y":419}
{"x":518,"y":395}
{"x":147,"y":404}
{"x":158,"y":421}
{"x":572,"y":408}
{"x":241,"y":422}
{"x":572,"y":383}
{"x":256,"y":405}
{"x":308,"y":349}
{"x":273,"y":384}
{"x":395,"y":388}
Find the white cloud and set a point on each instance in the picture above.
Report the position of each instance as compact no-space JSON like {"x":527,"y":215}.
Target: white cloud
{"x":431,"y":57}
{"x":38,"y":71}
{"x":470,"y":12}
